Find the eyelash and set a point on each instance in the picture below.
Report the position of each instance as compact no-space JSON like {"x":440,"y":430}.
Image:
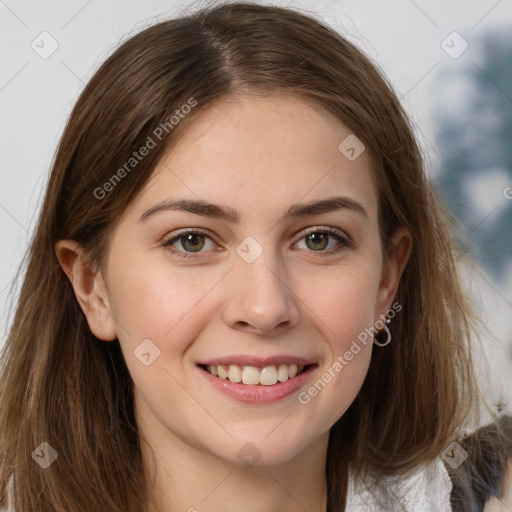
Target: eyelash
{"x":343,"y":240}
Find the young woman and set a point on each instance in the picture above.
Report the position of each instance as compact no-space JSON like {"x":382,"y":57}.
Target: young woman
{"x":241,"y":293}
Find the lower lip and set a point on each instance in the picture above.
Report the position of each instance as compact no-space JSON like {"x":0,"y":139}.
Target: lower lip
{"x":259,"y":394}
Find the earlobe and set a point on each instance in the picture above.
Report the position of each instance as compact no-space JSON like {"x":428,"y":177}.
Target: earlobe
{"x":89,"y":288}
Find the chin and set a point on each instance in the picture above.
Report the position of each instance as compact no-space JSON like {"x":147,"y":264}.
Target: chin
{"x":263,"y":449}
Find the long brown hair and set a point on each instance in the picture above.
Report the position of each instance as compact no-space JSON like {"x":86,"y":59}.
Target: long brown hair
{"x":62,"y":385}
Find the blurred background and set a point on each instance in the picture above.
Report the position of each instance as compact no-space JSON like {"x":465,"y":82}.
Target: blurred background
{"x":449,"y":62}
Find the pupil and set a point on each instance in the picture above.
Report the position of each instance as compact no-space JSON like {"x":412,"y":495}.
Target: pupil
{"x":319,"y":241}
{"x":191,"y":240}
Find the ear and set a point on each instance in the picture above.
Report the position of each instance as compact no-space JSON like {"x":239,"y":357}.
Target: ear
{"x":89,"y":289}
{"x":394,"y":263}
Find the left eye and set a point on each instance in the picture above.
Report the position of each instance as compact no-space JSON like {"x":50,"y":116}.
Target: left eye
{"x":321,"y":240}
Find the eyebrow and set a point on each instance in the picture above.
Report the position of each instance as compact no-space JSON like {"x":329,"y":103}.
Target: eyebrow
{"x":206,"y":209}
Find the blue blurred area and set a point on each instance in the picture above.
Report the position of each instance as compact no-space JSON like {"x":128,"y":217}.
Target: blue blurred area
{"x":474,"y":140}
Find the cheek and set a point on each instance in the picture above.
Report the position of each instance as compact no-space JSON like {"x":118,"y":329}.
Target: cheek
{"x":342,"y":309}
{"x":343,"y":304}
{"x":170,"y":310}
{"x":152,"y":300}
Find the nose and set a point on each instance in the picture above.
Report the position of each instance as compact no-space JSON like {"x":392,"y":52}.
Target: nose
{"x":258,"y":300}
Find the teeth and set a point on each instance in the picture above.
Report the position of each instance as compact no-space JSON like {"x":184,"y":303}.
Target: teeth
{"x":282,"y":373}
{"x":234,"y":373}
{"x":222,"y":371}
{"x":252,"y":375}
{"x":268,"y":376}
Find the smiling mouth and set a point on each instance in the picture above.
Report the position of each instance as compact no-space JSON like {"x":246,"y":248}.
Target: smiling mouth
{"x":253,"y":375}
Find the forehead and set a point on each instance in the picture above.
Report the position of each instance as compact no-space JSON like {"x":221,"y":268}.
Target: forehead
{"x":261,"y":154}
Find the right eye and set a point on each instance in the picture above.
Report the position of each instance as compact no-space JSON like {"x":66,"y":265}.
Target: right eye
{"x":188,"y":242}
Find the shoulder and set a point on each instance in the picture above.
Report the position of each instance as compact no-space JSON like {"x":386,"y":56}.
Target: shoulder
{"x":426,"y":489}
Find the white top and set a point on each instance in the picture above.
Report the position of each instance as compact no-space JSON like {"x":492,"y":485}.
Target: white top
{"x":427,"y":490}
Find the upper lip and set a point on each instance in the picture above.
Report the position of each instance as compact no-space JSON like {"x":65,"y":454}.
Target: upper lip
{"x":248,"y":360}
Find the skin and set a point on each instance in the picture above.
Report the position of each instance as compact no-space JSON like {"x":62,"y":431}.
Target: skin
{"x":258,"y":156}
{"x":505,"y":503}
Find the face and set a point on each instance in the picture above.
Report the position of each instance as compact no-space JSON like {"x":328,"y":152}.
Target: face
{"x":253,"y":253}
